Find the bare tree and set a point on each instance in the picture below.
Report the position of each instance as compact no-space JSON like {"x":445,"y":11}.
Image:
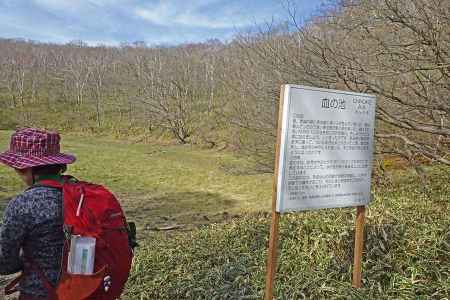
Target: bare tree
{"x":399,"y":51}
{"x":210,"y":92}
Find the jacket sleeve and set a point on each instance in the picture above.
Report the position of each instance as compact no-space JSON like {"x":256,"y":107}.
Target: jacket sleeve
{"x":12,"y":236}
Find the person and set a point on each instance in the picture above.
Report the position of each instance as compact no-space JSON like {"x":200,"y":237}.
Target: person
{"x":31,"y":233}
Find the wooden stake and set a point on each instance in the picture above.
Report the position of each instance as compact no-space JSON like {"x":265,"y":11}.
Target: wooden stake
{"x":359,"y":246}
{"x":273,"y":239}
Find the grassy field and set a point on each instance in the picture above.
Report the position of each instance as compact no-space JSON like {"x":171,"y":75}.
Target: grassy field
{"x":161,"y":185}
{"x":220,"y":251}
{"x":407,"y":251}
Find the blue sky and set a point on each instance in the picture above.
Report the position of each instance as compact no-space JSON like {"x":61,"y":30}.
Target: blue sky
{"x":156,"y":22}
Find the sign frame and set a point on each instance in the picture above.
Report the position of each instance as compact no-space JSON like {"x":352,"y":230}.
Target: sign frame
{"x":279,"y":165}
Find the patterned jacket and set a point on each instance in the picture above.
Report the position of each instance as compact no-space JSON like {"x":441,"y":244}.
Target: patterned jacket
{"x":33,"y":223}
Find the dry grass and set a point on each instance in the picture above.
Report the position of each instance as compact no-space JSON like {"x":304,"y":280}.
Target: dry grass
{"x":161,"y":185}
{"x":407,"y":252}
{"x":407,"y":233}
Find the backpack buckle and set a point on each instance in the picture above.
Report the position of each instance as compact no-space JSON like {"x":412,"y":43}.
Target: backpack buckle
{"x":131,"y":230}
{"x":67,"y":229}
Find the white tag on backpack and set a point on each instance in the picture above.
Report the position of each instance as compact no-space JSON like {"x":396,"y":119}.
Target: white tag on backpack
{"x":82,"y":255}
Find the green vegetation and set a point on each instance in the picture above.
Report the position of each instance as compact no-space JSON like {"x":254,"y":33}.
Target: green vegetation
{"x":406,"y":253}
{"x":220,"y":255}
{"x":161,"y":185}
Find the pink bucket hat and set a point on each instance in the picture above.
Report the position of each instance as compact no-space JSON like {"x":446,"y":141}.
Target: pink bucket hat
{"x":32,"y":147}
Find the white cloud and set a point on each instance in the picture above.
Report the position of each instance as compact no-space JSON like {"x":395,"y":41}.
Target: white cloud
{"x":58,"y":4}
{"x":169,"y":13}
{"x":204,"y":21}
{"x":80,"y":4}
{"x":113,"y":21}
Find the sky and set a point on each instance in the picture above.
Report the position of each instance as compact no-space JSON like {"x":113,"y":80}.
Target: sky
{"x":155,"y":22}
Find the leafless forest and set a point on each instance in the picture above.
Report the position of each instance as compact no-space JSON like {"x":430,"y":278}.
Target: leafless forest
{"x":226,"y":94}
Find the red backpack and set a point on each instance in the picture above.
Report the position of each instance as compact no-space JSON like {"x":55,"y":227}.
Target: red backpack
{"x":92,"y":211}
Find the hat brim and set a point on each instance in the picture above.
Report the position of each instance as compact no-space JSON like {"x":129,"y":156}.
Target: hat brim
{"x":17,"y":161}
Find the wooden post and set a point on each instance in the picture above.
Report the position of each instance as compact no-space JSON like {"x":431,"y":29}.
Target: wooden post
{"x":272,"y":256}
{"x":359,"y":246}
{"x":273,"y":239}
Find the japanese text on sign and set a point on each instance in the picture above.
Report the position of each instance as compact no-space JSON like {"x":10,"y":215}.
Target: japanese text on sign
{"x":326,"y":149}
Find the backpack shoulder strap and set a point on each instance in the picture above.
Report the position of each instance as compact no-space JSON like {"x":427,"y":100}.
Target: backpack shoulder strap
{"x":55,"y":183}
{"x":48,"y":183}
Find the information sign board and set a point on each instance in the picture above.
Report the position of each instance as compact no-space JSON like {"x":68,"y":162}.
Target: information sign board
{"x":326,"y":149}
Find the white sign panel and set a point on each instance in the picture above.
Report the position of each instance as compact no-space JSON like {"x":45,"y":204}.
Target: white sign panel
{"x":326,"y":149}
